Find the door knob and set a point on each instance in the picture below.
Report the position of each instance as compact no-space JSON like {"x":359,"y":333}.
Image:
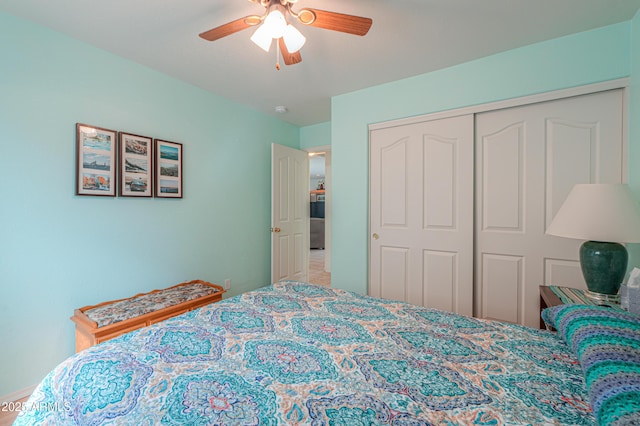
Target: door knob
{"x":275,"y":229}
{"x":375,"y":236}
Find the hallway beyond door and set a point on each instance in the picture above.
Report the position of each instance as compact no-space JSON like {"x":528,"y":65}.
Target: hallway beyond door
{"x":317,"y":274}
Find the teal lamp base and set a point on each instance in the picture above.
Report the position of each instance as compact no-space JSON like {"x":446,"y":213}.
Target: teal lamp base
{"x":603,"y":266}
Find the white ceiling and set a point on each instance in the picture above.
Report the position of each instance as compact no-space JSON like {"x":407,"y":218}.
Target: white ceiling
{"x":408,"y":37}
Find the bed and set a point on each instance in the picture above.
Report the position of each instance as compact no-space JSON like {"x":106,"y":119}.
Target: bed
{"x":296,"y":353}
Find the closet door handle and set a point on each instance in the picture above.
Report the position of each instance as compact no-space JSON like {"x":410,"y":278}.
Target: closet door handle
{"x":375,"y":236}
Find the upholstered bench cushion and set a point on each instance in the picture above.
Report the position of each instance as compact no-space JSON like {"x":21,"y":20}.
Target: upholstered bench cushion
{"x":150,"y":302}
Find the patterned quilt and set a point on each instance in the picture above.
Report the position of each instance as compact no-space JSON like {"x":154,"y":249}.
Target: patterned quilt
{"x":294,"y":353}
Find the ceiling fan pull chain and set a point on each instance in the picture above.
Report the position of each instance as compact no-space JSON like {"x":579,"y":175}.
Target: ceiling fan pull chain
{"x":277,"y":56}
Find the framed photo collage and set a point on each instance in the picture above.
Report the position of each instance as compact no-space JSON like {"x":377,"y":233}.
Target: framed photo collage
{"x":111,"y":163}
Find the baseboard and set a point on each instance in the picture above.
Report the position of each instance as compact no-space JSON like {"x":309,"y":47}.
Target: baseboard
{"x":17,"y":395}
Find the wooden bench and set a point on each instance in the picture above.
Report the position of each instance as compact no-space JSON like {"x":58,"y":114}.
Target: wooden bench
{"x":99,"y":323}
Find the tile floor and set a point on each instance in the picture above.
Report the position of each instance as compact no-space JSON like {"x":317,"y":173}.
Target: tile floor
{"x":317,"y":275}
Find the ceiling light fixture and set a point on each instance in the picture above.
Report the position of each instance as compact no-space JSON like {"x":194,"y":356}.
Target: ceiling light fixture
{"x":281,"y":109}
{"x":275,"y":26}
{"x":293,"y":39}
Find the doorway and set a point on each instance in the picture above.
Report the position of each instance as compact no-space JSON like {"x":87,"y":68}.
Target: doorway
{"x":319,"y":217}
{"x":289,"y":214}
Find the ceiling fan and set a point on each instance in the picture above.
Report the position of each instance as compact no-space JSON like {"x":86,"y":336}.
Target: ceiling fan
{"x":273,"y":24}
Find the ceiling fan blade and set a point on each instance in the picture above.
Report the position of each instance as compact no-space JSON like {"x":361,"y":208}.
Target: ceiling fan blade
{"x":230,"y":28}
{"x":335,"y":21}
{"x":289,"y":58}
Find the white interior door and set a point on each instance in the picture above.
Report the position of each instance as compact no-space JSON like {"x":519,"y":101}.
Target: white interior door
{"x":527,"y":160}
{"x":421,"y":214}
{"x":289,"y":213}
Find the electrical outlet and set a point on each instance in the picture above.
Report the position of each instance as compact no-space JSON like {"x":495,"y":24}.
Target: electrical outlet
{"x":227,"y":284}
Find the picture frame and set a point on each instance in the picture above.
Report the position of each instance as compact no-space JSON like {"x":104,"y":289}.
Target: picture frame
{"x":96,"y":153}
{"x":136,"y":165}
{"x":168,"y":169}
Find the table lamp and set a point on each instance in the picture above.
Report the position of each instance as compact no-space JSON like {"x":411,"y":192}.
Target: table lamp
{"x":605,"y":215}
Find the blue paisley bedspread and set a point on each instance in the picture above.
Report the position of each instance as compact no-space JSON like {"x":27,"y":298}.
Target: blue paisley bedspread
{"x":294,"y":353}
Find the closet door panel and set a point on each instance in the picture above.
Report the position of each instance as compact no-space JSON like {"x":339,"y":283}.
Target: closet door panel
{"x":572,"y":143}
{"x":557,"y":145}
{"x":440,"y":266}
{"x":394,"y":184}
{"x":503,"y":275}
{"x":421,"y":201}
{"x":391,"y":217}
{"x":394,"y":273}
{"x":440,"y":186}
{"x":502,"y":192}
{"x":562,"y":271}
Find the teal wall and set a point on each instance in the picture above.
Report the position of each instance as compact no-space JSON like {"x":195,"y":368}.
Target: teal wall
{"x":59,"y":251}
{"x":634,"y":127}
{"x":579,"y":59}
{"x":315,"y":135}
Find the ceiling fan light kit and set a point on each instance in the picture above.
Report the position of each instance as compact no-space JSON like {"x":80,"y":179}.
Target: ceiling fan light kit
{"x":273,"y":24}
{"x":262,"y":38}
{"x":293,"y":39}
{"x":275,"y":21}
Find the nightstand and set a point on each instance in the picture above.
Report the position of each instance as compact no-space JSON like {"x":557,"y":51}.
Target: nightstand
{"x":555,"y":295}
{"x":547,"y":299}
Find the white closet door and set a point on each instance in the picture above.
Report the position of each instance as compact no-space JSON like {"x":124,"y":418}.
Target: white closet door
{"x":527,"y":160}
{"x":421,"y":207}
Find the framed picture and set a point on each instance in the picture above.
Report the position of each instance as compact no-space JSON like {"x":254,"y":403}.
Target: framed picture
{"x":168,"y":169}
{"x":136,"y":160}
{"x":95,"y":160}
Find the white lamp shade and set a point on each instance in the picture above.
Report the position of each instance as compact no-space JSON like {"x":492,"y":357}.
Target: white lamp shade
{"x":598,"y":212}
{"x":262,"y":38}
{"x":275,"y":23}
{"x":293,"y":39}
